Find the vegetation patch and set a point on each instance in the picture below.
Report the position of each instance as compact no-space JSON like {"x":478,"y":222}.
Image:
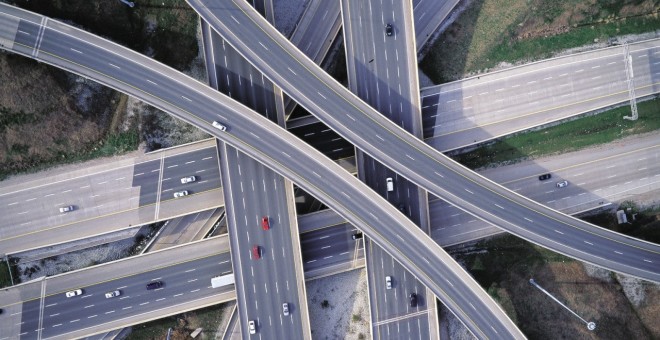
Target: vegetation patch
{"x":489,"y":32}
{"x":642,"y":223}
{"x":164,"y":29}
{"x":182,"y":325}
{"x":573,"y":135}
{"x":503,"y":266}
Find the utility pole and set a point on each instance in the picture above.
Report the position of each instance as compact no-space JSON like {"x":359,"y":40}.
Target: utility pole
{"x":590,"y":324}
{"x":627,"y":61}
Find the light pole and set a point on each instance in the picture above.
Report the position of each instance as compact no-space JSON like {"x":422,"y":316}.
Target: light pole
{"x":590,"y":324}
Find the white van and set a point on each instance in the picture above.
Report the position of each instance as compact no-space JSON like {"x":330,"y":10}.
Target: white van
{"x":390,"y":184}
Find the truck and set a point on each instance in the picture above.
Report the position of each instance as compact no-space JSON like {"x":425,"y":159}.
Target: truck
{"x":222,"y":280}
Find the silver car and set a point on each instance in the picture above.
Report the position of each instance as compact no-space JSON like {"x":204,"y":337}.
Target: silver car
{"x":112,"y":294}
{"x":181,"y":193}
{"x":188,"y":179}
{"x":388,"y":282}
{"x":74,"y":293}
{"x":285,"y":309}
{"x":219,"y":126}
{"x":562,"y":184}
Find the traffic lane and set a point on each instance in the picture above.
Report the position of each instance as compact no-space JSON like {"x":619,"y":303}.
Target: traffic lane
{"x":309,"y":174}
{"x":270,"y":278}
{"x":591,"y":184}
{"x":325,"y":140}
{"x":593,"y":82}
{"x":411,"y":327}
{"x":394,"y":302}
{"x":62,"y":314}
{"x":328,"y":243}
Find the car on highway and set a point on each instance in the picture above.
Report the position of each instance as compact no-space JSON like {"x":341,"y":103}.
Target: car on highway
{"x":388,"y":29}
{"x":285,"y":309}
{"x":356,"y":236}
{"x":219,"y":126}
{"x":388,"y":282}
{"x":413,"y":300}
{"x":188,"y":179}
{"x":256,"y":252}
{"x":544,"y":177}
{"x":562,"y":184}
{"x":74,"y":293}
{"x":265,"y":224}
{"x":181,"y":193}
{"x":252,"y":327}
{"x":154,"y":285}
{"x":66,"y":209}
{"x":112,"y":294}
{"x":389,"y":183}
{"x":402,"y":208}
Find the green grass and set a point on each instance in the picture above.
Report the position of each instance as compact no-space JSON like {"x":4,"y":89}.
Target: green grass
{"x":114,"y":144}
{"x":489,"y":32}
{"x":541,"y":48}
{"x":5,"y":278}
{"x":569,"y":136}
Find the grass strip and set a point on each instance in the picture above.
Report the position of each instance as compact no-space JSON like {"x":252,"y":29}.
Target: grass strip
{"x":573,"y":135}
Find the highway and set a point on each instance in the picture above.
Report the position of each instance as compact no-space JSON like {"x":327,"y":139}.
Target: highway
{"x":263,"y":194}
{"x":390,"y":86}
{"x":264,"y":283}
{"x":329,"y":244}
{"x":40,"y":308}
{"x":491,"y":105}
{"x":368,"y":130}
{"x":267,"y":143}
{"x":108,"y":197}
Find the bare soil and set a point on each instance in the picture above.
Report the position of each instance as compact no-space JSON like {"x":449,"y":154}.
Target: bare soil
{"x":622,"y":308}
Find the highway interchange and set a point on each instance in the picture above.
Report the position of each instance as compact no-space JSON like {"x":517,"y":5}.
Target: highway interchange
{"x":44,"y":41}
{"x":351,"y":198}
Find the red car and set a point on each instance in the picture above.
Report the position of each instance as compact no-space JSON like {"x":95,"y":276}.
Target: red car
{"x":265,"y":225}
{"x":256,"y":252}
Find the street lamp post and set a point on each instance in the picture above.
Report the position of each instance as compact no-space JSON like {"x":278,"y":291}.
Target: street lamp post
{"x":590,"y":324}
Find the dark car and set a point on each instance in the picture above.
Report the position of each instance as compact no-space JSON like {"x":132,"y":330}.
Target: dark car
{"x":544,"y":177}
{"x":154,"y":285}
{"x":402,"y":208}
{"x":413,"y":300}
{"x":388,"y":30}
{"x":357,"y":236}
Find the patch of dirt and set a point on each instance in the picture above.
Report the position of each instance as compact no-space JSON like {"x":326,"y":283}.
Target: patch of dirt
{"x":47,"y":114}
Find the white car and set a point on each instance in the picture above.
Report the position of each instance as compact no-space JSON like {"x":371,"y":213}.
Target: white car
{"x":219,"y":126}
{"x":181,"y":193}
{"x":389,"y":183}
{"x":188,"y":179}
{"x":562,"y":184}
{"x":388,"y":282}
{"x":252,"y":327}
{"x":285,"y":309}
{"x":74,"y":293}
{"x":66,"y":209}
{"x":112,"y":294}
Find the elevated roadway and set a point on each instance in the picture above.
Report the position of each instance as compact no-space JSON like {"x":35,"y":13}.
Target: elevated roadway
{"x":274,"y":279}
{"x":413,"y":159}
{"x":329,"y":249}
{"x":266,"y":142}
{"x":382,"y":71}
